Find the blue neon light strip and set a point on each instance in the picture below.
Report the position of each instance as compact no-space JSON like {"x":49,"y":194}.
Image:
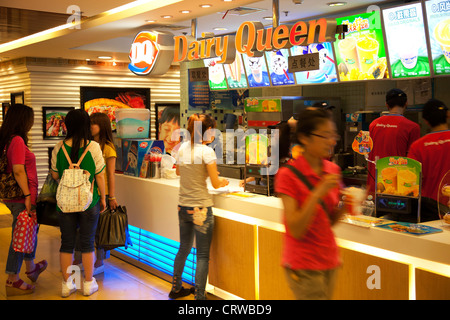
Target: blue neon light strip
{"x":158,"y":252}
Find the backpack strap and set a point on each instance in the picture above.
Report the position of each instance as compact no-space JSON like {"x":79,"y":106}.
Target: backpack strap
{"x":71,"y":165}
{"x":308,"y":184}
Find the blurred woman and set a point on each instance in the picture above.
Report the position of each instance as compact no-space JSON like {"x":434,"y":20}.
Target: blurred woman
{"x":309,"y":188}
{"x":22,"y":162}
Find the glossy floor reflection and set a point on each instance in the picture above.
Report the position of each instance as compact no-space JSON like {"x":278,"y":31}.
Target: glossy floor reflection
{"x":120,"y":281}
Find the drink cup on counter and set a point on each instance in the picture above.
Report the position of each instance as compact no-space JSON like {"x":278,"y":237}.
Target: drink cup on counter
{"x":353,"y":199}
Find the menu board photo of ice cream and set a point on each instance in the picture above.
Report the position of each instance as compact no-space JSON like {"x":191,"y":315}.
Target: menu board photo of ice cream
{"x":327,"y":66}
{"x":361,"y":55}
{"x":406,"y":42}
{"x":216,"y":73}
{"x":438,"y":16}
{"x":278,"y":67}
{"x":257,"y":74}
{"x":235,"y":73}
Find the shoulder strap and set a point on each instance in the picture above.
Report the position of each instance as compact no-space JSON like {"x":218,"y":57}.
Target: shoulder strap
{"x":307,"y":183}
{"x":79,"y":160}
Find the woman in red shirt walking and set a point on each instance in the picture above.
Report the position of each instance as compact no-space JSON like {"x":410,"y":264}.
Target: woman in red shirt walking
{"x":310,"y":253}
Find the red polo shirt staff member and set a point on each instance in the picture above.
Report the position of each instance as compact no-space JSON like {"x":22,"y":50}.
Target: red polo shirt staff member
{"x":392,"y":134}
{"x":433,"y":151}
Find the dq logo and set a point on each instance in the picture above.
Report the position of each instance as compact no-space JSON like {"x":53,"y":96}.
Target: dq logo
{"x":144,"y":52}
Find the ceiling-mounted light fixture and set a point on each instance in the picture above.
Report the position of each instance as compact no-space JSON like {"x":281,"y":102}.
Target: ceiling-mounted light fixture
{"x":185,"y":11}
{"x":205,"y":6}
{"x":336,"y":4}
{"x":104,"y":57}
{"x":220,"y":29}
{"x":268,"y":18}
{"x":166,"y":17}
{"x":150,"y":21}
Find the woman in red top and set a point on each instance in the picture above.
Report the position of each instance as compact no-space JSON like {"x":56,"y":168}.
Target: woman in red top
{"x":310,"y":253}
{"x":22,"y":162}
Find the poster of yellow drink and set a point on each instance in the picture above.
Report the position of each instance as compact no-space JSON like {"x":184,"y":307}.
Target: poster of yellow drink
{"x":398,"y":176}
{"x":438,"y":16}
{"x":361,"y":55}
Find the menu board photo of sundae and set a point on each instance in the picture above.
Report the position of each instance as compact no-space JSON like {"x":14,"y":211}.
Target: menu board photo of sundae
{"x":108,"y":100}
{"x":406,"y":42}
{"x":54,"y":121}
{"x":235,"y":73}
{"x":361,"y":55}
{"x":438,"y":16}
{"x":216,"y":73}
{"x":278,"y":67}
{"x":327,"y":67}
{"x":257,"y":73}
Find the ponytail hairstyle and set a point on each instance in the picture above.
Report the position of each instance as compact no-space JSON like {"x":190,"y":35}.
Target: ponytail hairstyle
{"x":79,"y":130}
{"x":18,"y":122}
{"x":207,"y":122}
{"x":105,"y":134}
{"x":308,"y":121}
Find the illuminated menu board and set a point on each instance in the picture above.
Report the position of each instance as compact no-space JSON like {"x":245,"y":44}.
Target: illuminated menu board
{"x":361,"y":55}
{"x":278,"y":67}
{"x":327,"y":67}
{"x":257,"y":74}
{"x":438,"y":16}
{"x":235,"y":73}
{"x":406,"y":42}
{"x":216,"y":74}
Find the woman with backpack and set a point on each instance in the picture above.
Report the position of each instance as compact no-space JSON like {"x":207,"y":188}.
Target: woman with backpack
{"x":22,"y":163}
{"x":78,"y":145}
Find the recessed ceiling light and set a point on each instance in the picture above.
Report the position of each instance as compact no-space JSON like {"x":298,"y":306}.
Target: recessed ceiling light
{"x":220,"y":29}
{"x":88,"y":59}
{"x":166,"y":17}
{"x":150,"y":21}
{"x":227,"y":0}
{"x":268,"y":18}
{"x":185,"y":11}
{"x":104,"y":57}
{"x":205,"y":6}
{"x":336,"y":4}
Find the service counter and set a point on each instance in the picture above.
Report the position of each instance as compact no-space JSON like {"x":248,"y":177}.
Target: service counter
{"x":247,"y":241}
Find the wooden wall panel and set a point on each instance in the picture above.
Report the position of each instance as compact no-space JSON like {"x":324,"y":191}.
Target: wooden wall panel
{"x":432,"y":286}
{"x":232,"y":262}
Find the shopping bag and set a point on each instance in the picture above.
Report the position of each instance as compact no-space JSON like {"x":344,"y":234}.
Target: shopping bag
{"x":48,"y":190}
{"x":112,"y":229}
{"x":24,"y":235}
{"x":47,"y":213}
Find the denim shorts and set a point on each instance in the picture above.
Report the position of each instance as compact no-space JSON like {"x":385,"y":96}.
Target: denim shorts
{"x":86,"y":222}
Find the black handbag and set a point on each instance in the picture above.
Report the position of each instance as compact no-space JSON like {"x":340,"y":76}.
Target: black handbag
{"x":47,"y":213}
{"x":112,"y":229}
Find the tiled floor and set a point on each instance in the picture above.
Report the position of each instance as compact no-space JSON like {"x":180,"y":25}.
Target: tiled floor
{"x":120,"y":281}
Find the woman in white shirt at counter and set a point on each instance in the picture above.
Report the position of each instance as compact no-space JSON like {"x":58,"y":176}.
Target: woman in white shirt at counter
{"x":195,"y":163}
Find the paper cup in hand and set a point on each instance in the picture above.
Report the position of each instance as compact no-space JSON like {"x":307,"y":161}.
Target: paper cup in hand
{"x":353,"y":199}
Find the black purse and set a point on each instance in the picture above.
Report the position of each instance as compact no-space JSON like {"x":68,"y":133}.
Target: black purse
{"x":112,"y":229}
{"x":47,"y":213}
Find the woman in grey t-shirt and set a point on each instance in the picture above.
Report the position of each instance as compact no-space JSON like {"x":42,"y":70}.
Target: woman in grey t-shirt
{"x":195,"y":163}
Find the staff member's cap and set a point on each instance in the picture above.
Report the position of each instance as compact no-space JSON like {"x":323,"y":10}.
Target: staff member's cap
{"x":395,"y":93}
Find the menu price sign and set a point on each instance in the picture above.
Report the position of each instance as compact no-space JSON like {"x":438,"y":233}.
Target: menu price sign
{"x":361,"y":55}
{"x":257,"y":74}
{"x":438,"y":16}
{"x":278,"y":67}
{"x":216,"y":74}
{"x":236,"y":74}
{"x":327,"y":67}
{"x":198,"y":88}
{"x":407,"y":45}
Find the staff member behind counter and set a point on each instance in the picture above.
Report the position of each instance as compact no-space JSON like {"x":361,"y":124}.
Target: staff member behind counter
{"x":392,"y":134}
{"x":433,"y":151}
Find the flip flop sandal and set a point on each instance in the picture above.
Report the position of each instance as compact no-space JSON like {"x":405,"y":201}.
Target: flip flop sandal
{"x":39,"y":267}
{"x":13,"y":288}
